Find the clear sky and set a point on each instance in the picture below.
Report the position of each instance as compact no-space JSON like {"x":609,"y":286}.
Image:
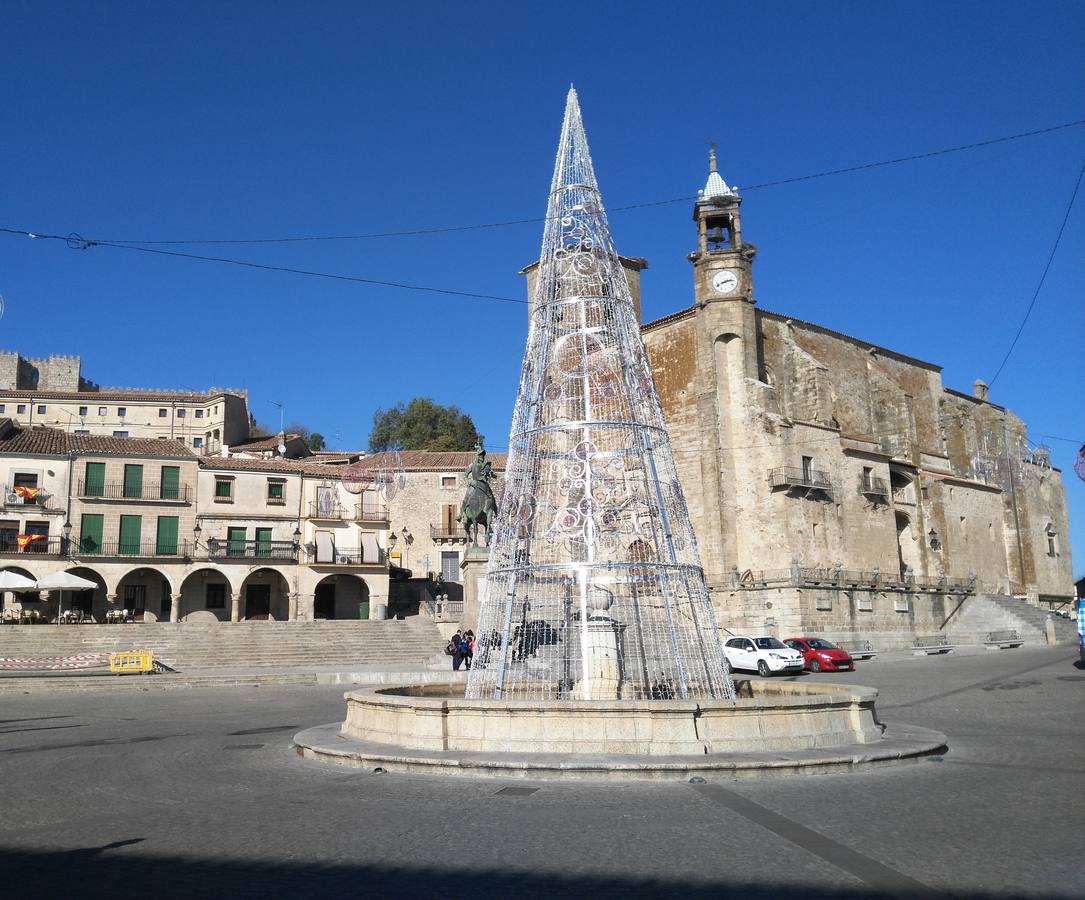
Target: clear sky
{"x":138,"y":121}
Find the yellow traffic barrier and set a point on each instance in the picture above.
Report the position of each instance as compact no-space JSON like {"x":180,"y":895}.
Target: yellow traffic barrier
{"x":128,"y":661}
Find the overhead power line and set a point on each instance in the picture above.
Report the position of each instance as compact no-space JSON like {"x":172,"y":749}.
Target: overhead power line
{"x":1043,"y":276}
{"x":630,"y":206}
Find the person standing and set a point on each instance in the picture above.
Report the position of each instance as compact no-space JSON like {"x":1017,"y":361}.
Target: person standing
{"x":455,"y":650}
{"x":468,"y":648}
{"x":1081,"y":629}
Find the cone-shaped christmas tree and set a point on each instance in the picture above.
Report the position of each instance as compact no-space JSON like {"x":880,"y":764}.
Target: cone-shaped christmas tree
{"x":594,"y":588}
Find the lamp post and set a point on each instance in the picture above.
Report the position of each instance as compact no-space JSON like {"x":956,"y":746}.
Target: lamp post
{"x":66,"y":530}
{"x":196,"y":532}
{"x":297,"y":540}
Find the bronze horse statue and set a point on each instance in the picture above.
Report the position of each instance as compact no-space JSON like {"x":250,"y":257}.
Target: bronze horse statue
{"x":479,"y":505}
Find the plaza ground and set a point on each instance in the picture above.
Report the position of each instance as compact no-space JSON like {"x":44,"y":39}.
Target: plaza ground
{"x":198,"y":794}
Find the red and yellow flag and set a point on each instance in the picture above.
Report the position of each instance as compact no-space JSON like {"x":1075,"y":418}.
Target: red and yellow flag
{"x":27,"y":493}
{"x":25,"y":540}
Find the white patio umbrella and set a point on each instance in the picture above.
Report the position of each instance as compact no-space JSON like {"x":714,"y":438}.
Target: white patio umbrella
{"x":13,"y":581}
{"x":64,"y":581}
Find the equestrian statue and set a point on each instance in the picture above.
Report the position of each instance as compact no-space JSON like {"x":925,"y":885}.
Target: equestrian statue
{"x":479,"y":506}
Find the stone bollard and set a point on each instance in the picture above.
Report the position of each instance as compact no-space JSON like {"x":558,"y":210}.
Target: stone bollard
{"x":1049,"y":630}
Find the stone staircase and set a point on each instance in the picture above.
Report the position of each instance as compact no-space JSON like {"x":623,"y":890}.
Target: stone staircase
{"x":998,"y":612}
{"x":238,"y":645}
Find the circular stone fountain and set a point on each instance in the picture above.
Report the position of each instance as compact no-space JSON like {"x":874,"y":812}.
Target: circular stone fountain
{"x":771,"y":728}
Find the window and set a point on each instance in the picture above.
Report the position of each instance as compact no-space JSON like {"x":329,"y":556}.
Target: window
{"x":263,"y":542}
{"x":2,"y":407}
{"x":449,"y":525}
{"x":129,"y":535}
{"x":24,"y":479}
{"x":170,"y":486}
{"x":162,"y":414}
{"x":122,"y":411}
{"x":235,"y":541}
{"x":90,"y":533}
{"x":180,"y":414}
{"x":20,"y":409}
{"x":166,"y":538}
{"x":224,"y":490}
{"x":807,"y":468}
{"x":41,"y":409}
{"x":199,"y":414}
{"x":275,"y":492}
{"x":1052,"y":541}
{"x":448,"y":481}
{"x":103,"y":410}
{"x":216,"y":596}
{"x":197,"y":442}
{"x":94,"y":479}
{"x":133,"y":481}
{"x":120,"y":434}
{"x":81,"y":431}
{"x":82,"y":410}
{"x":450,"y":565}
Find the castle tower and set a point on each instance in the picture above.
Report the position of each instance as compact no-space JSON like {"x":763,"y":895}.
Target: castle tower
{"x":594,"y":588}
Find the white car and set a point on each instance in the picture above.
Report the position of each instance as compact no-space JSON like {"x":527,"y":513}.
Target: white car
{"x":763,"y":654}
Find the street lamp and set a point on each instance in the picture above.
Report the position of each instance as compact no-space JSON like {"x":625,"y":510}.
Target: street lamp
{"x":196,"y":532}
{"x":66,"y":530}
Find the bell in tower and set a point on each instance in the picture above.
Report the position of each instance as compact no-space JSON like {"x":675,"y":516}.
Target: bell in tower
{"x":722,"y":259}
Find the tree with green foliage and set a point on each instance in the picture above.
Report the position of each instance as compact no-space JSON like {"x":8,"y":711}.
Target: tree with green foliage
{"x":422,"y":425}
{"x":316,"y":441}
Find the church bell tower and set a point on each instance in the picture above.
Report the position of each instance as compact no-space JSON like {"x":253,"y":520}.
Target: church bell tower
{"x":722,"y":262}
{"x":723,"y":278}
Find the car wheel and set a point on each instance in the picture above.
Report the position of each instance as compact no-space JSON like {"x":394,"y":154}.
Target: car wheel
{"x":815,"y":666}
{"x":763,"y":668}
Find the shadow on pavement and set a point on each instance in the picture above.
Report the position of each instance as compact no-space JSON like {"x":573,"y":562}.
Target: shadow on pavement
{"x":110,"y":871}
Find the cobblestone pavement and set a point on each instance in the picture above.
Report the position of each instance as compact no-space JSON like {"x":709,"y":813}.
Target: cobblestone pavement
{"x":197,"y":794}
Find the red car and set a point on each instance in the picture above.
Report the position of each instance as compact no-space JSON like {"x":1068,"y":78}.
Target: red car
{"x":820,"y":655}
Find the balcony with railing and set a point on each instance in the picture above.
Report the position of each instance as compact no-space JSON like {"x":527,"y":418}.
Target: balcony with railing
{"x":147,"y":491}
{"x":22,"y":497}
{"x":281,"y":551}
{"x":849,"y":579}
{"x":808,"y":482}
{"x":874,"y":487}
{"x":447,"y":531}
{"x":329,"y":512}
{"x":353,"y":556}
{"x":88,"y":546}
{"x":371,"y":511}
{"x":46,"y":545}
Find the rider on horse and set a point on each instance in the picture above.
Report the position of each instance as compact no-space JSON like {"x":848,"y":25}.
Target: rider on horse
{"x":479,"y":505}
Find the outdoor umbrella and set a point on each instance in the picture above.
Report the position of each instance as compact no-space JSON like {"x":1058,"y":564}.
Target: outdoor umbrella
{"x":64,"y":581}
{"x":13,"y":581}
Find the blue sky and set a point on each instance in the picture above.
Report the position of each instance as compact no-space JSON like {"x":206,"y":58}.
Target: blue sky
{"x":198,"y":120}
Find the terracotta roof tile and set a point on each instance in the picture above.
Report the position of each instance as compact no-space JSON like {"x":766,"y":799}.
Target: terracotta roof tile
{"x":289,"y":466}
{"x":431,"y":460}
{"x":54,"y":442}
{"x":120,"y":394}
{"x":263,"y":443}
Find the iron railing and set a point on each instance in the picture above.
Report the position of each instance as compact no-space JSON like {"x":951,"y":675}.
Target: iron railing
{"x":371,"y":511}
{"x":802,"y":576}
{"x":873,"y":486}
{"x":449,"y":532}
{"x":352,"y":557}
{"x":218,"y":548}
{"x":331,"y":511}
{"x":12,"y":497}
{"x":118,"y":490}
{"x":794,"y":477}
{"x":44,"y":546}
{"x":87,"y":546}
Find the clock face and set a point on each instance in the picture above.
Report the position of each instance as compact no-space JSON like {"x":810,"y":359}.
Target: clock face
{"x":724,"y":281}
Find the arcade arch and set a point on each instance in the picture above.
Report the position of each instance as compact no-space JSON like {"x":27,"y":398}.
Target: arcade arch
{"x":341,"y":597}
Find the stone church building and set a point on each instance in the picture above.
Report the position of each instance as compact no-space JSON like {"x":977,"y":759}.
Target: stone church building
{"x":834,"y":485}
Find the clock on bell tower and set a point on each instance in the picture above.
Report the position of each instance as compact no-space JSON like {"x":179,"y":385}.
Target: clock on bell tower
{"x":722,"y":262}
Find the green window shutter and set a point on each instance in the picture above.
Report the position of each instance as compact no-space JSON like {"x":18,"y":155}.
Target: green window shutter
{"x":235,"y":541}
{"x":171,"y":483}
{"x":166,"y":542}
{"x":130,"y":533}
{"x":133,"y":481}
{"x":263,"y":542}
{"x":94,"y":480}
{"x":90,"y":530}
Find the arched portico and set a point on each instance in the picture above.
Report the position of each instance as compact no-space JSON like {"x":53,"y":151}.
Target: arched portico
{"x":146,"y":593}
{"x":206,"y":595}
{"x":15,"y":601}
{"x":265,"y":595}
{"x":341,"y":597}
{"x":93,"y":603}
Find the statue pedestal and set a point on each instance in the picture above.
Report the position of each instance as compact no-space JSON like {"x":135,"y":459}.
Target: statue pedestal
{"x":602,"y":666}
{"x":473,"y":579}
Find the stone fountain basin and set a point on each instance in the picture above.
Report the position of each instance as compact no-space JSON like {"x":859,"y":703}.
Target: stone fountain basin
{"x":773,"y":728}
